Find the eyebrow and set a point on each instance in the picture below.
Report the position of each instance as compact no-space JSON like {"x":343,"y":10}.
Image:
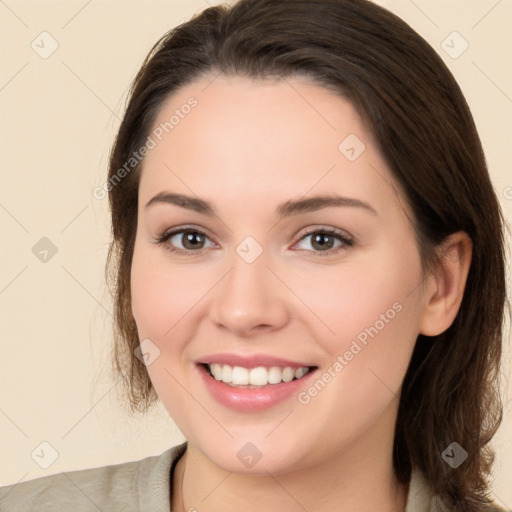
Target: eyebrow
{"x":286,"y":209}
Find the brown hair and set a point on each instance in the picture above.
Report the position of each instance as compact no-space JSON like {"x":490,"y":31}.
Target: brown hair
{"x":422,"y":124}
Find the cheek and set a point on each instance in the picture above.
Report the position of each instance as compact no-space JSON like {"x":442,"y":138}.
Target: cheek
{"x":161,"y":298}
{"x":365,"y":299}
{"x":374,"y":331}
{"x":369,"y":314}
{"x":162,"y":294}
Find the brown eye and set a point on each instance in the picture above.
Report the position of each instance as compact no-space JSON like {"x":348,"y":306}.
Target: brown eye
{"x":191,"y":239}
{"x":322,"y":241}
{"x":185,"y":240}
{"x":326,"y":241}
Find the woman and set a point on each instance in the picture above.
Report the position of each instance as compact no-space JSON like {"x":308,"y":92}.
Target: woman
{"x":309,"y":268}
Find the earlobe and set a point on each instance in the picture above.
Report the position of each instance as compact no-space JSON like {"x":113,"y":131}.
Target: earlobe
{"x":445,"y":287}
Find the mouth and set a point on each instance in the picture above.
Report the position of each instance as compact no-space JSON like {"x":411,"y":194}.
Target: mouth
{"x":256,"y":387}
{"x":257,"y":377}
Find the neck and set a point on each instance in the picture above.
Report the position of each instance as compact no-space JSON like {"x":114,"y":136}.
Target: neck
{"x":291,"y":493}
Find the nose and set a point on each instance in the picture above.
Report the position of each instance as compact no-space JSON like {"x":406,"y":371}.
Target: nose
{"x":250,"y":299}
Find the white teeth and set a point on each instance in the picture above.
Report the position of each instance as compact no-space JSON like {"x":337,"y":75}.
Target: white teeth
{"x":259,"y":376}
{"x":299,"y":372}
{"x":227,"y":373}
{"x":240,"y":376}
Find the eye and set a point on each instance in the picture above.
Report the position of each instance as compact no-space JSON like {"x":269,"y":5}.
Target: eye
{"x":323,"y":241}
{"x":191,"y":239}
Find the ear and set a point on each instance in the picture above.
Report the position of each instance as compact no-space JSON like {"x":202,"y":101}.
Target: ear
{"x":445,"y":288}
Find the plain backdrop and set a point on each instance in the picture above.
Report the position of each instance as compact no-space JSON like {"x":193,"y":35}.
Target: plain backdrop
{"x":66,"y":68}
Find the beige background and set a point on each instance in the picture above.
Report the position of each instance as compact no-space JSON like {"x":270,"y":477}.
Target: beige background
{"x":59,"y":116}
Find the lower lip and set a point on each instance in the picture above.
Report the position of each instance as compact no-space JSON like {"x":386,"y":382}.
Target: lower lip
{"x":255,"y":399}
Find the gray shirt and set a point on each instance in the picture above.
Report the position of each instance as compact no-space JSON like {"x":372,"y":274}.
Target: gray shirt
{"x":142,"y":486}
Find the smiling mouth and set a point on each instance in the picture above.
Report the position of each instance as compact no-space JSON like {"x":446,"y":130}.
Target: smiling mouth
{"x":254,"y":378}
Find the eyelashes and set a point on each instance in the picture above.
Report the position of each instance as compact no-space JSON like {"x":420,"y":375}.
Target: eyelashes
{"x":162,"y":239}
{"x":344,"y":239}
{"x":320,"y":234}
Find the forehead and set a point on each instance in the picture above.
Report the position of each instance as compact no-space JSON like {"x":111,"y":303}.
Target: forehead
{"x":267,"y":137}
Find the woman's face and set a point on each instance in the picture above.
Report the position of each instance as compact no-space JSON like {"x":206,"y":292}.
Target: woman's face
{"x":258,"y":283}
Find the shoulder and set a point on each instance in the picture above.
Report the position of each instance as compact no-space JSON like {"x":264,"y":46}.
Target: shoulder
{"x":115,"y":487}
{"x":421,"y":498}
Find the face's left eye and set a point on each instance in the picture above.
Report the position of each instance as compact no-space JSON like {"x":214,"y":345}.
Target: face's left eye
{"x":324,"y":240}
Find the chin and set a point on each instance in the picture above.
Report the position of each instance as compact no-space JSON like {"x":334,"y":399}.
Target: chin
{"x":243,"y":456}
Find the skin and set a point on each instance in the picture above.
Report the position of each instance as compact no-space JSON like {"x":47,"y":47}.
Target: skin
{"x":247,"y":147}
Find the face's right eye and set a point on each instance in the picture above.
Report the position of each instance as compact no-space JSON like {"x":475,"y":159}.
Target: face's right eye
{"x":191,"y":240}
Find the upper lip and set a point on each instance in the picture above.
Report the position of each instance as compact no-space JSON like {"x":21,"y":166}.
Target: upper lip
{"x":250,"y":361}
